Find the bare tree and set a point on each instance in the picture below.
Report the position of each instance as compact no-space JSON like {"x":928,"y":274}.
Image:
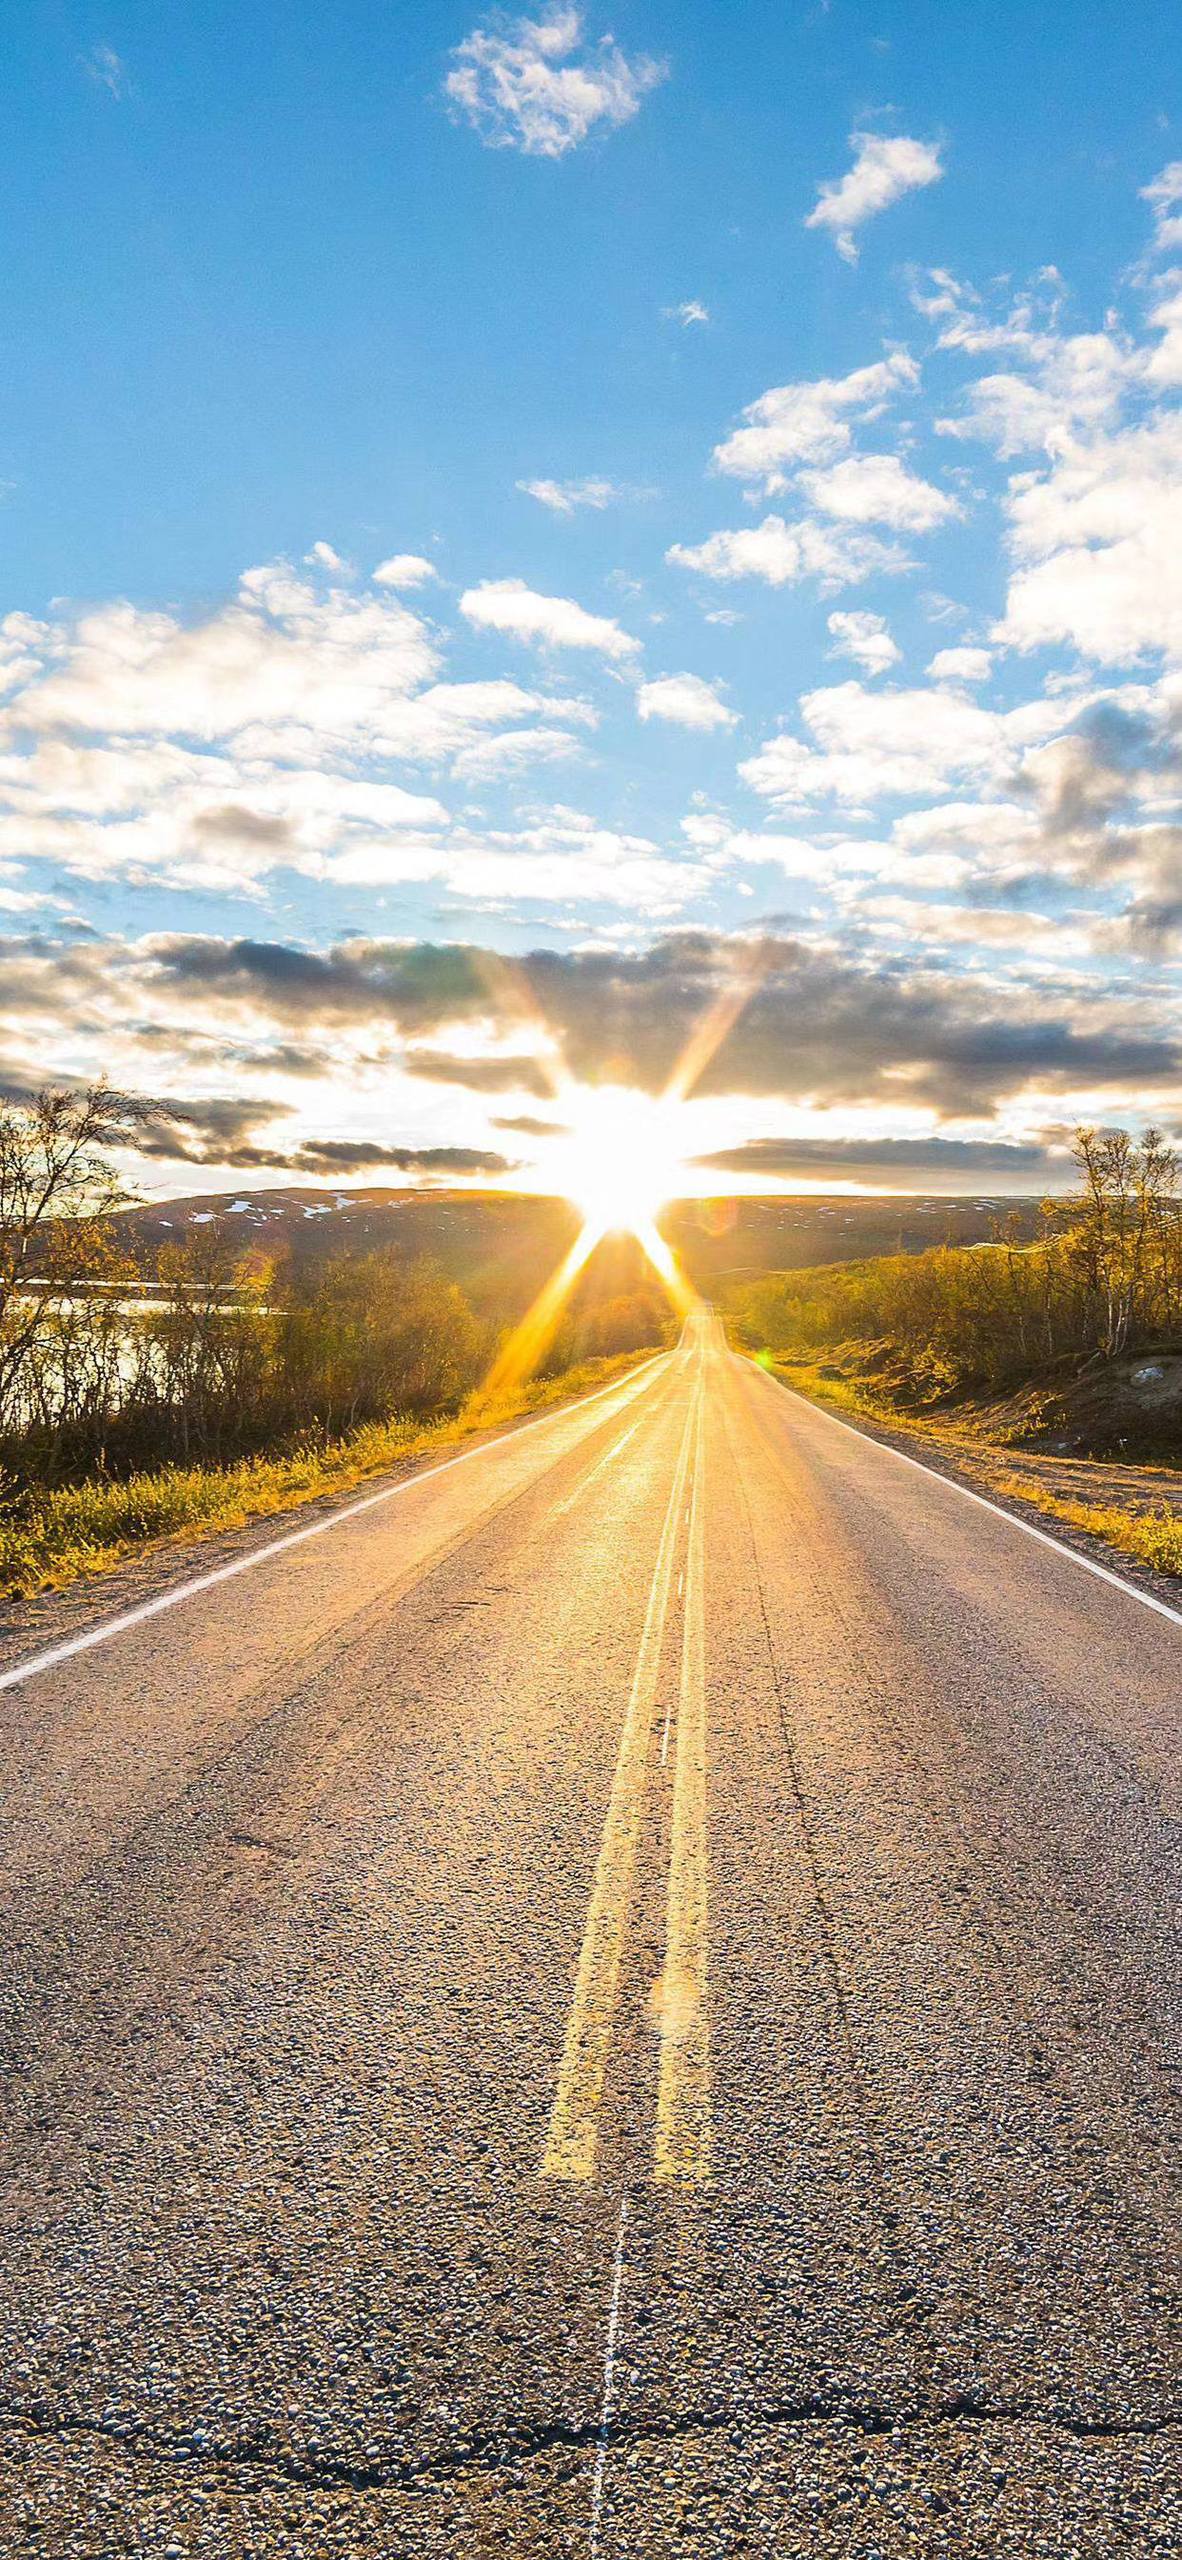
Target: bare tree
{"x":57,"y":1189}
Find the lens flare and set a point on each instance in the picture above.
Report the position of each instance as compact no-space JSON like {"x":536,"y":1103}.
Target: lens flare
{"x":619,"y":1163}
{"x":621,"y":1159}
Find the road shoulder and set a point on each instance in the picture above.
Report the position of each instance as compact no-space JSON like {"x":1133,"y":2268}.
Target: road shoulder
{"x":983,"y":1470}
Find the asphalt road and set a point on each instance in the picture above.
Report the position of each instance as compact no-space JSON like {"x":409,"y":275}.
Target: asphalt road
{"x":621,"y":2001}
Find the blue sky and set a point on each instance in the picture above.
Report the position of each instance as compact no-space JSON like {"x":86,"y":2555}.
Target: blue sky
{"x":764,"y":425}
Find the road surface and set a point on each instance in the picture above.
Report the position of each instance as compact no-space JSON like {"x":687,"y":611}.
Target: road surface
{"x":621,"y":2000}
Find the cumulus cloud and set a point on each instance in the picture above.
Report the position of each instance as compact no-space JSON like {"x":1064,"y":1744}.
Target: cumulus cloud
{"x":864,"y":637}
{"x":809,"y":422}
{"x":504,"y":1071}
{"x":1066,"y":385}
{"x":885,"y":168}
{"x":1098,"y":544}
{"x":692,"y":315}
{"x":1164,"y":366}
{"x":1107,"y":793}
{"x":262,"y":738}
{"x":237,"y":1134}
{"x":258,"y":737}
{"x":876,"y":488}
{"x":280,"y":650}
{"x":560,"y":858}
{"x":547,"y":622}
{"x":288,"y":1032}
{"x":782,"y":554}
{"x":893,"y":742}
{"x":688,"y":701}
{"x":960,"y":666}
{"x":404,"y":569}
{"x":1096,"y":802}
{"x":1164,"y":193}
{"x":535,"y":85}
{"x":817,"y":1025}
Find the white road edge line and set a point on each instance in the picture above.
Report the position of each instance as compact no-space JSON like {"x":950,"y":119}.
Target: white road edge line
{"x":1087,"y":1564}
{"x":109,"y":1627}
{"x":609,"y":2369}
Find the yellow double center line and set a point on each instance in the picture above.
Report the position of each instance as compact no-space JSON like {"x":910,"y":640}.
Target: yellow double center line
{"x":683,"y":2095}
{"x":683,"y":2102}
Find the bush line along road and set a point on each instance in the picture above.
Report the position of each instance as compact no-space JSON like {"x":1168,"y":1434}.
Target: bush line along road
{"x":620,"y":2000}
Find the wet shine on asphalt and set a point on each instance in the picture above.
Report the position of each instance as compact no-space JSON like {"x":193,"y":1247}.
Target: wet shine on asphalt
{"x":623,"y":2001}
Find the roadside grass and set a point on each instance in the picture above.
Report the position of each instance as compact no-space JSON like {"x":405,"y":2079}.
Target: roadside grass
{"x":1150,"y":1533}
{"x":1153,"y":1538}
{"x":51,"y":1538}
{"x":847,"y":1395}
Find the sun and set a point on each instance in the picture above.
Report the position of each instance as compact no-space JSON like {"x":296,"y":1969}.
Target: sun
{"x":619,"y":1162}
{"x":620,"y":1158}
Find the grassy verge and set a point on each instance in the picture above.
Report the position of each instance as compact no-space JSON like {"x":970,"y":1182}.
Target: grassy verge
{"x":1153,"y":1538}
{"x":50,"y":1539}
{"x":1149,"y":1530}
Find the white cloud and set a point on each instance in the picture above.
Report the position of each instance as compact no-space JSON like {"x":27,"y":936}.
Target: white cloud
{"x":990,"y":835}
{"x":21,"y":901}
{"x":1164,"y":193}
{"x":960,"y":666}
{"x":534,"y":85}
{"x":783,"y":554}
{"x":809,"y":421}
{"x":565,"y":859}
{"x":280,"y":650}
{"x":23,"y":642}
{"x":875,"y":488}
{"x":216,"y":752}
{"x":1072,"y":385}
{"x":404,"y":569}
{"x":886,"y":167}
{"x":692,"y":315}
{"x":1164,"y":367}
{"x":322,"y":556}
{"x":437,"y":724}
{"x":564,"y":497}
{"x":103,"y":66}
{"x":897,"y":741}
{"x":511,"y":751}
{"x":549,"y":622}
{"x":798,"y":857}
{"x":154,"y":811}
{"x":688,"y":701}
{"x":865,"y":638}
{"x":1098,"y":540}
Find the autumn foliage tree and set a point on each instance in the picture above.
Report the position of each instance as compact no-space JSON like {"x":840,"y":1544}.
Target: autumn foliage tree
{"x":57,"y":1192}
{"x":1103,"y":1276}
